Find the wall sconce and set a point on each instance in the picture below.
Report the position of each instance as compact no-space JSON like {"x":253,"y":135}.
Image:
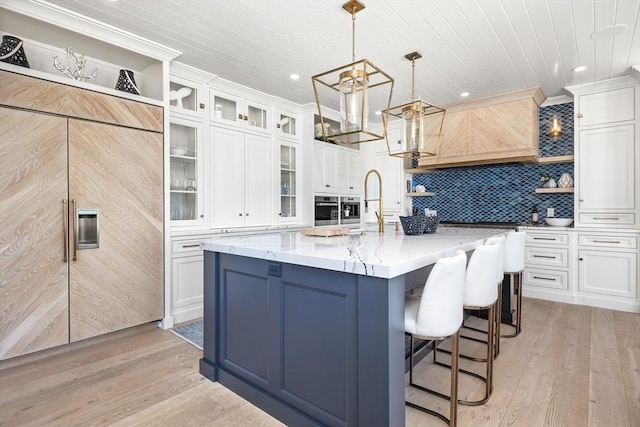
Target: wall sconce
{"x":555,"y":127}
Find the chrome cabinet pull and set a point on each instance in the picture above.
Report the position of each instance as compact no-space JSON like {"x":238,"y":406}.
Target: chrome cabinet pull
{"x":544,"y":278}
{"x":195,"y":245}
{"x":607,"y":241}
{"x":65,"y":222}
{"x":544,"y":238}
{"x":75,"y":231}
{"x":605,"y":219}
{"x":544,"y":256}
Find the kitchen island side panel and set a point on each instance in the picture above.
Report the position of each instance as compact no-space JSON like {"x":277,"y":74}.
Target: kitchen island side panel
{"x":311,"y":347}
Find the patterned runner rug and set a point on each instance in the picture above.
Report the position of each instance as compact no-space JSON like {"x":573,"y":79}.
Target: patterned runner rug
{"x":191,"y":333}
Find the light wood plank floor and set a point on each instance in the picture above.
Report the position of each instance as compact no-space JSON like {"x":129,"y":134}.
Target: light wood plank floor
{"x":571,"y":366}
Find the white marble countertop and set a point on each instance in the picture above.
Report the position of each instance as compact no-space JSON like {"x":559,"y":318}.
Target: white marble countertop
{"x":384,"y":255}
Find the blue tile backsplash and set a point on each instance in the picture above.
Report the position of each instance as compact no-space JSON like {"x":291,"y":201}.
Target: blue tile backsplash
{"x":504,"y":192}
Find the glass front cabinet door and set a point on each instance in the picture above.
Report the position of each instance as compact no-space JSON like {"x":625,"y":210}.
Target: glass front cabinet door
{"x":239,"y":112}
{"x":288,"y":183}
{"x":185,"y":154}
{"x":186,"y":97}
{"x":286,"y":125}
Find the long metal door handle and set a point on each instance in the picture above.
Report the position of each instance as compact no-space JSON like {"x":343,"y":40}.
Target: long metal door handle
{"x":607,"y":241}
{"x":544,"y":278}
{"x":196,"y":245}
{"x":613,"y":218}
{"x":543,"y":238}
{"x":75,"y":231}
{"x":65,"y":223}
{"x":544,"y":256}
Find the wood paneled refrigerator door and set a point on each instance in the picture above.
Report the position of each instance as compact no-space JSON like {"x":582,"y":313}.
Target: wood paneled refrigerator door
{"x":33,"y":268}
{"x":119,"y":172}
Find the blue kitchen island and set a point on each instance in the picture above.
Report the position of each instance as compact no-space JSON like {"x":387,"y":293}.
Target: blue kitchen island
{"x":311,"y":329}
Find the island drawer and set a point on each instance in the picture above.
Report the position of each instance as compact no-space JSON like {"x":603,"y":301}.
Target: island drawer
{"x":548,"y":257}
{"x":547,"y":238}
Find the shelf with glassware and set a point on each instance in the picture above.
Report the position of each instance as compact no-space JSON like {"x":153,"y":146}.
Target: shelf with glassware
{"x":36,"y":24}
{"x":239,"y":112}
{"x":288,"y":183}
{"x":185,"y":153}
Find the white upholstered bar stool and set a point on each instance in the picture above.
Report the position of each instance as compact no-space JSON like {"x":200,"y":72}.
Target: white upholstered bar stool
{"x":498,"y":240}
{"x":481,"y":293}
{"x":436,"y":315}
{"x":498,"y":275}
{"x":514,"y":267}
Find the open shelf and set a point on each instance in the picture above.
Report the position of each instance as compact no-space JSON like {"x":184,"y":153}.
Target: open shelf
{"x":556,"y":159}
{"x":554,"y":190}
{"x":420,"y":194}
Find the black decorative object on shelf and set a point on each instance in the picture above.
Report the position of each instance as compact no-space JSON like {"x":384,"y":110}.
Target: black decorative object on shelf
{"x":127,"y":83}
{"x":12,"y":52}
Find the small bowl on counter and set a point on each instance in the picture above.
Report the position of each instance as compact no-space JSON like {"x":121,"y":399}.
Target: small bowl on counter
{"x":559,"y":222}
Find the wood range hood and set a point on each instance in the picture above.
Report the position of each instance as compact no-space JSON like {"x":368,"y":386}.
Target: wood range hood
{"x":498,"y":129}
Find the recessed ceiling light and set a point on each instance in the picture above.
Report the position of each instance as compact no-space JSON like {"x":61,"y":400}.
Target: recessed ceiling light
{"x":579,"y":69}
{"x":464,"y":94}
{"x":294,"y":76}
{"x":609,"y":31}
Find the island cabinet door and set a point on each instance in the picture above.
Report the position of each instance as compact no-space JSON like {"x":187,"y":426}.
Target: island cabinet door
{"x":293,"y":336}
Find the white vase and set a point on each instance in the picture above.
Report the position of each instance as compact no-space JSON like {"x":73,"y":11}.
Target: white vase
{"x":552,"y":183}
{"x":565,"y":181}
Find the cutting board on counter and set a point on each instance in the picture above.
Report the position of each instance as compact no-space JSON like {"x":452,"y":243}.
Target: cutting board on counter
{"x":325,"y":231}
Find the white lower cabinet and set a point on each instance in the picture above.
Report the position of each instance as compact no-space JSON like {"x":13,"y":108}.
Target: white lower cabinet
{"x":583,"y":266}
{"x":607,"y":270}
{"x":187,"y":279}
{"x":547,"y":272}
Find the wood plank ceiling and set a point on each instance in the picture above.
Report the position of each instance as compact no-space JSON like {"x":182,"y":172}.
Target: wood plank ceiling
{"x":484,"y":47}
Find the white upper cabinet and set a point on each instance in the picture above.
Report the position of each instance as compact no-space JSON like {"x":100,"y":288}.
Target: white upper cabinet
{"x":607,"y":106}
{"x":241,"y":183}
{"x":287,"y":125}
{"x":187,"y":97}
{"x":607,"y":153}
{"x":239,"y":112}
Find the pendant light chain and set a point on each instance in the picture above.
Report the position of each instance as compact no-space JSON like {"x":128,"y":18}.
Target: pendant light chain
{"x":413,"y":79}
{"x":353,"y":34}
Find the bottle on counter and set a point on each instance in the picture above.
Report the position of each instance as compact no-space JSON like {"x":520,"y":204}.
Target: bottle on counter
{"x":534,"y":215}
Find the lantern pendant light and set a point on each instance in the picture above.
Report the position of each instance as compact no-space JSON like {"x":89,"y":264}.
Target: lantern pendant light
{"x":361,"y":87}
{"x":422,"y":123}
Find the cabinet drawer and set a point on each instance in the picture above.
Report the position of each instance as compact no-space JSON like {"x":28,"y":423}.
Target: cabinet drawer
{"x":548,"y":257}
{"x":608,"y":219}
{"x":546,"y":278}
{"x":547,"y":238}
{"x":185,"y":246}
{"x":619,"y":242}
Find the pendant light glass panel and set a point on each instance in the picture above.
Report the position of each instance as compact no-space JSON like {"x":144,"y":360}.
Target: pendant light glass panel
{"x":354,"y":109}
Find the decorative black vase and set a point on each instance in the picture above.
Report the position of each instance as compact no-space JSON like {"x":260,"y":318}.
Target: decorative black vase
{"x":127,"y":83}
{"x":11,"y":51}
